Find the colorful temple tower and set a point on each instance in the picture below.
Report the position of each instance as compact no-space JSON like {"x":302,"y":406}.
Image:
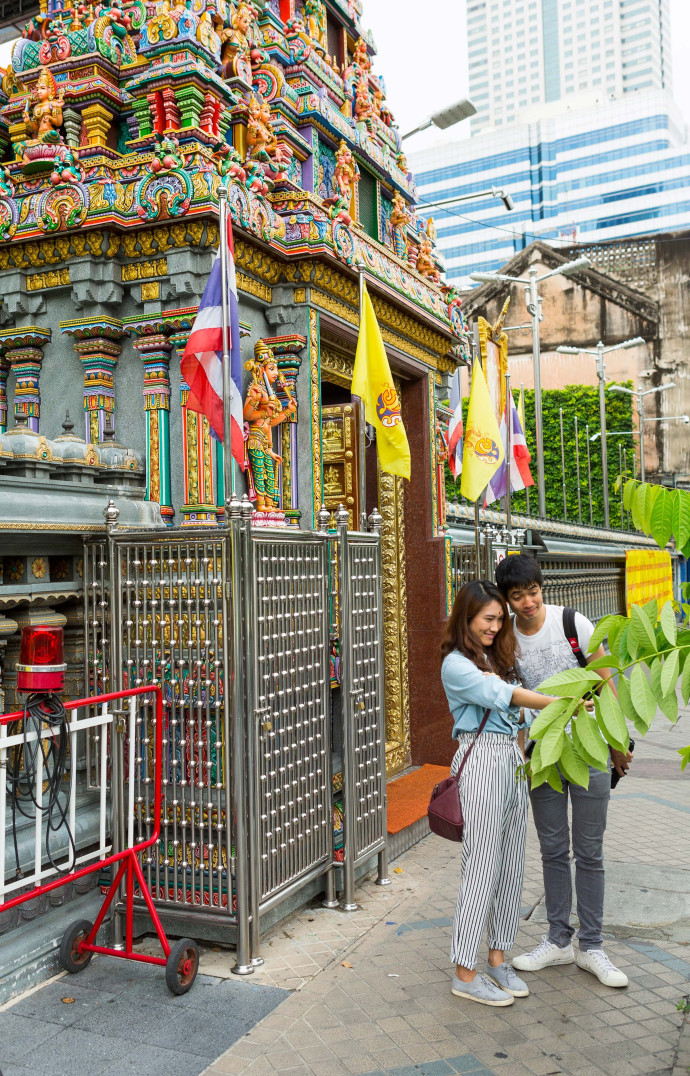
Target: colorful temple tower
{"x":118,"y":124}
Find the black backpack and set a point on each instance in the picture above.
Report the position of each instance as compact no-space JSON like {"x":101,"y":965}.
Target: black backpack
{"x":570,"y":632}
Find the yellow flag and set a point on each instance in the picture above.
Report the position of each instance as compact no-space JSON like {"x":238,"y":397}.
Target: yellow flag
{"x":372,"y":382}
{"x":483,"y":451}
{"x":521,"y":409}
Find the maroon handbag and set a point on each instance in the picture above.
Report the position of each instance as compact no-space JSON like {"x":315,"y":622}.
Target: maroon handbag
{"x":445,"y":810}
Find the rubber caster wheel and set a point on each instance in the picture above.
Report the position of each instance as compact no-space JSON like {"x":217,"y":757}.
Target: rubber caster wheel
{"x":72,"y":958}
{"x":182,"y":966}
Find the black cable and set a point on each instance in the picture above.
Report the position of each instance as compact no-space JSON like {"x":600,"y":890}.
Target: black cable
{"x":51,"y":753}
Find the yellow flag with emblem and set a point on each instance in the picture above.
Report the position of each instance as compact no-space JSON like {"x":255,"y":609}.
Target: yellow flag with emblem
{"x":372,"y":382}
{"x":483,"y":451}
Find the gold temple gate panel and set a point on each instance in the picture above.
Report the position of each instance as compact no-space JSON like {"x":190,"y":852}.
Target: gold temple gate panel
{"x":339,"y":430}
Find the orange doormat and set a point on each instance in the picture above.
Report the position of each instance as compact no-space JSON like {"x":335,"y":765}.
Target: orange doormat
{"x":408,"y":797}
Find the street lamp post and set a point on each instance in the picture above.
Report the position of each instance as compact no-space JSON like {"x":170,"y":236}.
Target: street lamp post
{"x":447,"y":117}
{"x":599,"y":352}
{"x":533,"y":303}
{"x":640,"y":413}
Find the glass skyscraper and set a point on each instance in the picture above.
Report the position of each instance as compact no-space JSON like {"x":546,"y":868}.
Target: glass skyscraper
{"x":608,"y":170}
{"x":523,"y":53}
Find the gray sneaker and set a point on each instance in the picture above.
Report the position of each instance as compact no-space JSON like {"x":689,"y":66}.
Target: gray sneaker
{"x":505,"y":977}
{"x":481,"y":989}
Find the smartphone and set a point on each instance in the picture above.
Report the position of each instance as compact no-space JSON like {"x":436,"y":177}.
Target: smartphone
{"x":615,"y":777}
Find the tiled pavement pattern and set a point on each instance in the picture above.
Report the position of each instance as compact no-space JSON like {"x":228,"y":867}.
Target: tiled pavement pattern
{"x":392,"y":1012}
{"x":116,"y":1018}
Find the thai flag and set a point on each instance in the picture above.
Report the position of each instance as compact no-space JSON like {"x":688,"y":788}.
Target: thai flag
{"x":202,"y":362}
{"x":520,"y":476}
{"x":455,"y":427}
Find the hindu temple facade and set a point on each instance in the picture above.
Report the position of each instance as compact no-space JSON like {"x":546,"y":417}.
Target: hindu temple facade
{"x":119,"y":124}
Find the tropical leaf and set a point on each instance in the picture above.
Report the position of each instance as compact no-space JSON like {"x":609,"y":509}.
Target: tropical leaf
{"x":589,"y":736}
{"x":554,"y":778}
{"x":661,"y":518}
{"x":668,"y":623}
{"x":537,"y":778}
{"x":570,"y":681}
{"x":607,"y":662}
{"x":628,"y":493}
{"x":651,"y":608}
{"x":642,"y":695}
{"x":655,"y":668}
{"x":685,"y":683}
{"x":624,"y":653}
{"x":615,"y":632}
{"x":552,"y":744}
{"x":681,"y":518}
{"x":684,"y":753}
{"x":600,"y":633}
{"x":546,"y":716}
{"x":573,"y":768}
{"x":641,"y":631}
{"x":610,"y":716}
{"x":669,"y":674}
{"x":669,"y":706}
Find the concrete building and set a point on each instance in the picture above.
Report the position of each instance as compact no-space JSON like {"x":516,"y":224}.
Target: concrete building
{"x":604,"y":171}
{"x":531,"y":52}
{"x":635,"y":288}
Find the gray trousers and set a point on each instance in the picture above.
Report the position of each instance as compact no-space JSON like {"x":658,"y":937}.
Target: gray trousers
{"x":494,"y":807}
{"x":550,"y":812}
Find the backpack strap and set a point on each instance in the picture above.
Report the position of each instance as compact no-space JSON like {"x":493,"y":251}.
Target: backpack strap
{"x":570,"y":632}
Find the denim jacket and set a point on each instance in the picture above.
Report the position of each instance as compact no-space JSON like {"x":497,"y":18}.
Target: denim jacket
{"x":470,"y":692}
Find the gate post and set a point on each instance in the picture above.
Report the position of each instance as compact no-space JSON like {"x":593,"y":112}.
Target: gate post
{"x":117,"y":773}
{"x":375,"y":521}
{"x":239,"y":524}
{"x":348,"y":903}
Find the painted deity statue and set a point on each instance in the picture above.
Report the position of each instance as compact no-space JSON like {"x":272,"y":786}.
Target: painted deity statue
{"x":261,"y":141}
{"x":44,"y":118}
{"x":364,"y":106}
{"x":237,"y":43}
{"x":361,"y":56}
{"x":314,"y":15}
{"x":262,"y":411}
{"x":346,"y":173}
{"x":425,"y":260}
{"x":400,"y":218}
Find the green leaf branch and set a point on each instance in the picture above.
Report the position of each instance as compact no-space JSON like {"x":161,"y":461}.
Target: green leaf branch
{"x":650,"y":655}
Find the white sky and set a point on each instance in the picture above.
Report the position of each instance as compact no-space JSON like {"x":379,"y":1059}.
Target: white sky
{"x":422,"y":56}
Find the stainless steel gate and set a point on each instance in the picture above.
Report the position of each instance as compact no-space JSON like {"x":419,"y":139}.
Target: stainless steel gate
{"x":234,"y":624}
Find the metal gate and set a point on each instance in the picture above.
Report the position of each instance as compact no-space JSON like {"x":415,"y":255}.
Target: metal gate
{"x":233,"y":623}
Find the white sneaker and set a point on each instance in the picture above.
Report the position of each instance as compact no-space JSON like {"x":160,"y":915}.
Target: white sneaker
{"x":597,"y":962}
{"x":546,"y":955}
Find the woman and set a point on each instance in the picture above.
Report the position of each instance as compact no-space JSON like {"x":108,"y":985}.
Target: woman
{"x":478,"y":674}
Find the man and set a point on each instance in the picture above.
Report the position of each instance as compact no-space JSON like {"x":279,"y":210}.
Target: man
{"x":545,"y":650}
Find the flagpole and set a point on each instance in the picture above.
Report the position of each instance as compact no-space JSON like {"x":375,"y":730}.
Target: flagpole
{"x":524,"y":422}
{"x":228,"y":468}
{"x":509,"y":441}
{"x":362,"y":441}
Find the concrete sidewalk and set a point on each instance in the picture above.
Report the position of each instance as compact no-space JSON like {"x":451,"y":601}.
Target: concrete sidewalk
{"x":369,"y":992}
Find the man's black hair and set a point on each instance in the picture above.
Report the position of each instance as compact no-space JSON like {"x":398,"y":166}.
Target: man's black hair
{"x":518,"y":570}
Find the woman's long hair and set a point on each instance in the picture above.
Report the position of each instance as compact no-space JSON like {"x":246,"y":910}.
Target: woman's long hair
{"x":470,"y":600}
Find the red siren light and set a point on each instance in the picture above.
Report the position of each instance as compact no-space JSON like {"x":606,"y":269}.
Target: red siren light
{"x":41,"y":664}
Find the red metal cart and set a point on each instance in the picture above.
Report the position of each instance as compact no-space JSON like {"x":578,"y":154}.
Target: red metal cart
{"x":181,"y":961}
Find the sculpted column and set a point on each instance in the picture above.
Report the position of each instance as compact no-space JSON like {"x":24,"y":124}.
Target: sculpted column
{"x":97,"y":343}
{"x":22,"y":350}
{"x":154,"y":348}
{"x":199,"y":508}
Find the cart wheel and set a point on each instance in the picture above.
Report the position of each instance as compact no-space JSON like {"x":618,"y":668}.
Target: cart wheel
{"x":72,"y":958}
{"x":182,"y":966}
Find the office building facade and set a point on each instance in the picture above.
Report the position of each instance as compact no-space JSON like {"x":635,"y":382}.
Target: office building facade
{"x":612,"y":170}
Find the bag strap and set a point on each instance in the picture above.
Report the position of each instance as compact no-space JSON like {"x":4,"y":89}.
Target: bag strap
{"x":570,"y":632}
{"x":479,"y":730}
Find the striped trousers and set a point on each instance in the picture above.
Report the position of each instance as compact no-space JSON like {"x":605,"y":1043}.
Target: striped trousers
{"x":494,"y":806}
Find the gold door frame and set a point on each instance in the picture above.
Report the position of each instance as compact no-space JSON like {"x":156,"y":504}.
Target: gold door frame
{"x":337,"y":367}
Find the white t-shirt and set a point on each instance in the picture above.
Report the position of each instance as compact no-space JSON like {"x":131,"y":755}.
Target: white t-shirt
{"x":548,"y":652}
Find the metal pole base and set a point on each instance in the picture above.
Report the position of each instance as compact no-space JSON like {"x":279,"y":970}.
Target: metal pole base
{"x":257,"y":961}
{"x":383,"y":881}
{"x":349,"y":907}
{"x":330,"y":897}
{"x":382,"y":858}
{"x":242,"y":969}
